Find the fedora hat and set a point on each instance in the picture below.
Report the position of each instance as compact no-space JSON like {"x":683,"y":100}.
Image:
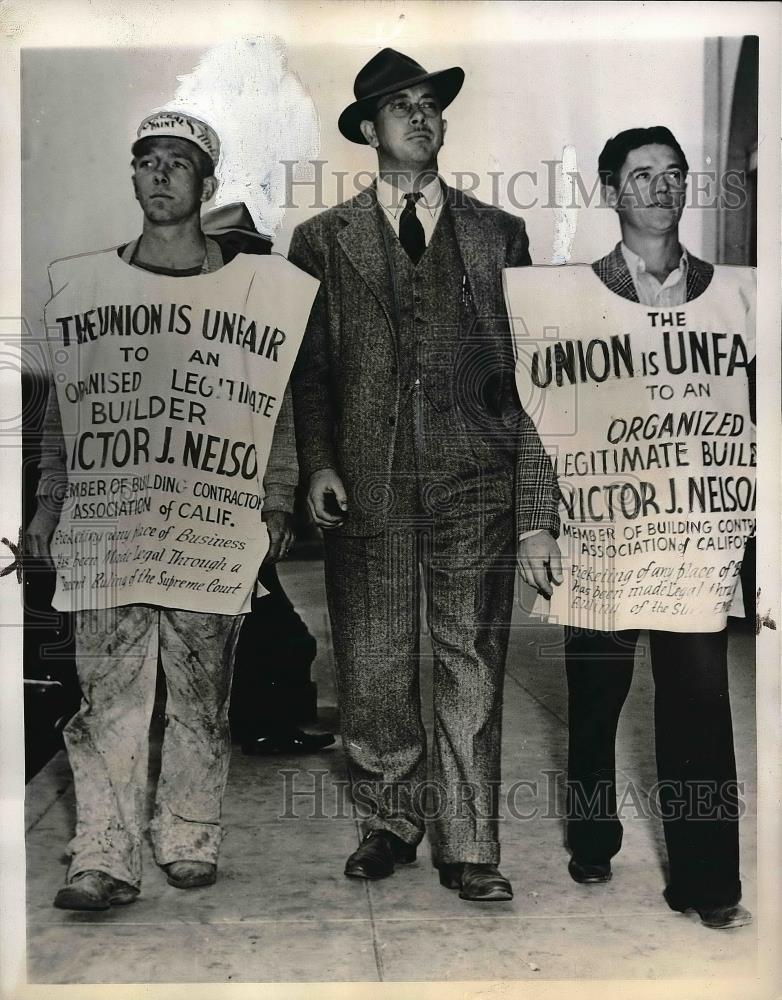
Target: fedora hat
{"x":386,"y":73}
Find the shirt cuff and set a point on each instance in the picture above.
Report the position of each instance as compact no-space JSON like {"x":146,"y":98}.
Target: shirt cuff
{"x":529,"y":534}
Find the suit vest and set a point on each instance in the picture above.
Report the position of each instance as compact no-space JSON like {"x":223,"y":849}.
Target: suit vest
{"x":441,"y":361}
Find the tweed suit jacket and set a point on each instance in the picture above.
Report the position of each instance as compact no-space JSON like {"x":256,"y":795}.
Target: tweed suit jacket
{"x":349,"y":354}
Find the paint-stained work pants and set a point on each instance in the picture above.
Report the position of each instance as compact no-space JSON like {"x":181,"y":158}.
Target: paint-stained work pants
{"x":108,"y":739}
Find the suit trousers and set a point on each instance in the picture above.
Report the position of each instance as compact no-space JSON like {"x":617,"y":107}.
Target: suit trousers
{"x":453,"y":539}
{"x":697,"y":792}
{"x":108,"y":738}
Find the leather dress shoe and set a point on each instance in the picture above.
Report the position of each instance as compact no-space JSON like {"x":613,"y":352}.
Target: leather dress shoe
{"x":288,"y":741}
{"x":717,"y":917}
{"x":190,"y":874}
{"x":377,"y":854}
{"x":94,"y":890}
{"x":723,"y":918}
{"x":479,"y":883}
{"x":588,"y":874}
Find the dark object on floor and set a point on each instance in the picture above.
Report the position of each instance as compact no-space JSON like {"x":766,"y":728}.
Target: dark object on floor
{"x":289,"y":740}
{"x":377,"y":855}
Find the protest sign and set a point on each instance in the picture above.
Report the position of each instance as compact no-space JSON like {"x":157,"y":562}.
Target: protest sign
{"x":645,"y":414}
{"x":169,"y":389}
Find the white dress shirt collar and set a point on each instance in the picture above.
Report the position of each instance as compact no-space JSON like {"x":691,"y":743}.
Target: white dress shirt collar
{"x":393,"y":198}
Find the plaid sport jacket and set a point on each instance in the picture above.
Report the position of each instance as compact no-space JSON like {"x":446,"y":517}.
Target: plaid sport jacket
{"x":614,"y":273}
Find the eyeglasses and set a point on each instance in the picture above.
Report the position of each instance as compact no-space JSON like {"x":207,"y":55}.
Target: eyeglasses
{"x":402,"y":108}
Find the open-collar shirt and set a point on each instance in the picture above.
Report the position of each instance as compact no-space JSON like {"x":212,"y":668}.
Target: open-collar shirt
{"x":650,"y":292}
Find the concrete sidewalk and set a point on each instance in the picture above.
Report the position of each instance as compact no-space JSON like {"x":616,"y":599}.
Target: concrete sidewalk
{"x":283,"y":911}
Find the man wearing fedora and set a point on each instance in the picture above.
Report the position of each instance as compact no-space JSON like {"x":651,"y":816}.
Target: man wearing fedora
{"x":424,"y":471}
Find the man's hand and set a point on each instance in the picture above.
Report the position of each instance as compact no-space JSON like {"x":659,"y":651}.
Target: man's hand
{"x":38,"y":536}
{"x":279,"y":524}
{"x":327,"y":499}
{"x":540,"y":562}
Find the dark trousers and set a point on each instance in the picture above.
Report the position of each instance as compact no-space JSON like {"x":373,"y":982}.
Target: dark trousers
{"x":696,"y":766}
{"x":455,"y":537}
{"x":274,"y":654}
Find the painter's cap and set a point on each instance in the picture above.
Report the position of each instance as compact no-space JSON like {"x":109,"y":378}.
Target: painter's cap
{"x":181,"y":126}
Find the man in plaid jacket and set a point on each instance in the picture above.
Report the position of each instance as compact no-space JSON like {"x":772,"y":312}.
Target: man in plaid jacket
{"x":424,"y":470}
{"x":643,"y":172}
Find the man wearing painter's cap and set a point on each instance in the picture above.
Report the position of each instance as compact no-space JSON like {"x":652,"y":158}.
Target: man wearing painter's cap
{"x":174,"y":159}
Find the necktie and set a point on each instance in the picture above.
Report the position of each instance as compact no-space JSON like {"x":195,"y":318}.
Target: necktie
{"x":411,"y":232}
